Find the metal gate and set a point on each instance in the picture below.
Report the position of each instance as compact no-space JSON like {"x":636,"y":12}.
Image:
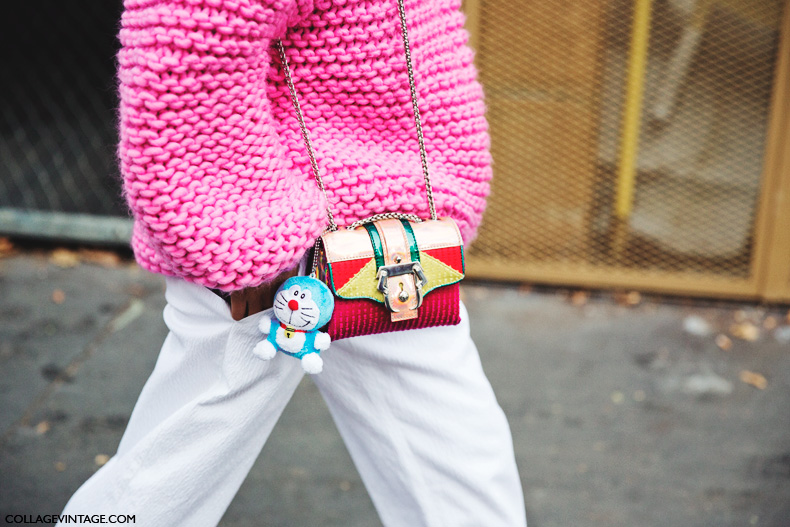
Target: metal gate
{"x":637,"y":144}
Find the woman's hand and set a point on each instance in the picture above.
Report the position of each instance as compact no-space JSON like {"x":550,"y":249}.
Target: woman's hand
{"x":256,"y":299}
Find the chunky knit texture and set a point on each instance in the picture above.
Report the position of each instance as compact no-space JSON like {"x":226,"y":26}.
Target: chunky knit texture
{"x":215,"y":170}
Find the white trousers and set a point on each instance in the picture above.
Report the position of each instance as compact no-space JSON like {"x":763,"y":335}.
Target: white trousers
{"x":414,"y":408}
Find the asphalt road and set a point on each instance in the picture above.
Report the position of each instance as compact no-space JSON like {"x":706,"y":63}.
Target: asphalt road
{"x":625,"y":411}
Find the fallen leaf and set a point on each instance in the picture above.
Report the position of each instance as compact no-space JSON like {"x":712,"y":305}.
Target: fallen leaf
{"x":618,"y":397}
{"x":579,"y":298}
{"x":345,"y":486}
{"x":770,"y":323}
{"x":724,"y":342}
{"x":101,"y":459}
{"x":64,"y":258}
{"x":629,"y":298}
{"x":42,"y":428}
{"x":58,"y":296}
{"x":525,"y":289}
{"x":754,"y":379}
{"x":745,"y":331}
{"x":6,"y":246}
{"x":740,"y":315}
{"x":103,"y":258}
{"x":60,"y":466}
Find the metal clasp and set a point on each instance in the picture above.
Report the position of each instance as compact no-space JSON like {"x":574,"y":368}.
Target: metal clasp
{"x":387,"y":271}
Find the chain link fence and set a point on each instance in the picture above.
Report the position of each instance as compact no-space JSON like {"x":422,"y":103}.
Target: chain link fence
{"x":57,"y":121}
{"x":628,"y":136}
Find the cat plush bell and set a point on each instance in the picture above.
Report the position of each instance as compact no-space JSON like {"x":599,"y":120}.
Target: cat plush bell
{"x":301,"y":306}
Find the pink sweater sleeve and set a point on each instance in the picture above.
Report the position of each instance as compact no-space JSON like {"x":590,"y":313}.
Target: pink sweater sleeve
{"x":214,"y":167}
{"x":212,"y":192}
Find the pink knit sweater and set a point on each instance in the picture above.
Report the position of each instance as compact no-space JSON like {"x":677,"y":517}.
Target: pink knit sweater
{"x":214,"y":167}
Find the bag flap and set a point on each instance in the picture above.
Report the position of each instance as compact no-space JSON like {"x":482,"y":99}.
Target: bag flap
{"x":350,"y":267}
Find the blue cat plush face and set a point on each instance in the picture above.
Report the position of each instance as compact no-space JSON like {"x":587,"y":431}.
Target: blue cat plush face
{"x":303,"y":303}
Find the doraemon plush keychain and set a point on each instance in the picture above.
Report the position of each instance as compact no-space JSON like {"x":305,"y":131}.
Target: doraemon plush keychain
{"x":301,"y":306}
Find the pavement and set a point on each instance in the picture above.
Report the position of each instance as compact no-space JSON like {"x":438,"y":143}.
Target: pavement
{"x":626,"y":410}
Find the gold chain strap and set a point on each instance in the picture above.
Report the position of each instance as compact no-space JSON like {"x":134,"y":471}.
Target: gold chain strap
{"x":417,"y":122}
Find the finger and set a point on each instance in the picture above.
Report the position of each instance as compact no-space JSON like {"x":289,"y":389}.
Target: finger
{"x":255,"y":300}
{"x":238,"y":305}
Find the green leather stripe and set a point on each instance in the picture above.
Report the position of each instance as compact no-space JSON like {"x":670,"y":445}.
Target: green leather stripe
{"x":375,"y":240}
{"x":415,"y":252}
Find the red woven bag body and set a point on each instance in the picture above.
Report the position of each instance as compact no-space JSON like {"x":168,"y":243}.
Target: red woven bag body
{"x":384,"y":283}
{"x":353,"y":318}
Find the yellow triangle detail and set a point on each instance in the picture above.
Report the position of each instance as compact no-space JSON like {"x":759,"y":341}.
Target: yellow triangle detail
{"x":363,"y":284}
{"x":437,"y":272}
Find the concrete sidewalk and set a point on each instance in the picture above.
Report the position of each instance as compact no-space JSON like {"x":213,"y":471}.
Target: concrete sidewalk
{"x":624,"y":411}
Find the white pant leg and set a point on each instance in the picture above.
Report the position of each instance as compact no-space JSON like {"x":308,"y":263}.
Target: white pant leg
{"x":199,"y":423}
{"x":424,"y":428}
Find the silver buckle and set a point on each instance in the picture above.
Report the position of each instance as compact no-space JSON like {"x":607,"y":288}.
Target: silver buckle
{"x":387,"y":271}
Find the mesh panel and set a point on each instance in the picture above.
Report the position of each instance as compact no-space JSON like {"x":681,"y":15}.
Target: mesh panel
{"x":57,"y":100}
{"x":555,"y":74}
